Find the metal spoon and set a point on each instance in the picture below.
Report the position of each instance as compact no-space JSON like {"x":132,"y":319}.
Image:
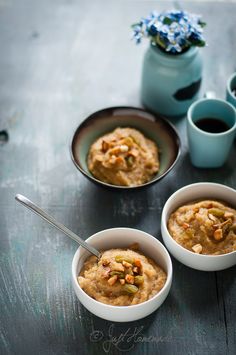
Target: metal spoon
{"x":30,"y":205}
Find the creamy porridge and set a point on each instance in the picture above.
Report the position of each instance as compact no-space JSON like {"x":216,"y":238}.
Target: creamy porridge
{"x":122,"y":277}
{"x":124,"y":157}
{"x":204,"y":227}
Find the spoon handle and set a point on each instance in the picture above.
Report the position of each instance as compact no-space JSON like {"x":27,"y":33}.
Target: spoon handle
{"x":30,"y":205}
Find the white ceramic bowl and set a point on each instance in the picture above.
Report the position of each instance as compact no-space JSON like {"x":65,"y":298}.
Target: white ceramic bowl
{"x":202,"y":190}
{"x":116,"y":238}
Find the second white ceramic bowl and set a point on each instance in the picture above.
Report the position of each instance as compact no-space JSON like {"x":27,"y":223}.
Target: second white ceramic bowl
{"x":187,"y":194}
{"x":122,"y":238}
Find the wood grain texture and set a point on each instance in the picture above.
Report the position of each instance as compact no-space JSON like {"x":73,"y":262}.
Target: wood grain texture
{"x":60,"y":61}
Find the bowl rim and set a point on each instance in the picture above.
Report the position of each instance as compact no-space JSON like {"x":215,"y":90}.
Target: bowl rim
{"x":151,"y":300}
{"x":228,"y":85}
{"x":164,"y":220}
{"x":120,"y":187}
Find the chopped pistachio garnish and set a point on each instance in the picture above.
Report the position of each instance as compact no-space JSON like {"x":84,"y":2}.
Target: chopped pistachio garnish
{"x":130,"y":288}
{"x":120,"y":258}
{"x":216,"y":212}
{"x":130,"y":160}
{"x":138,"y":280}
{"x":119,"y":274}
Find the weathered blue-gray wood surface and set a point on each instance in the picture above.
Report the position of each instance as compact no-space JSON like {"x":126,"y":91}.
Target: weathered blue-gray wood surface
{"x":60,"y":61}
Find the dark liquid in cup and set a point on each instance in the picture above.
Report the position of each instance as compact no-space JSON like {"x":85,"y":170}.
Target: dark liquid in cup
{"x":212,"y":125}
{"x":234,"y":91}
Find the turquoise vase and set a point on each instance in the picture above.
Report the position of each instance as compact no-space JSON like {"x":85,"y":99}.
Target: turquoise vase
{"x":170,"y":83}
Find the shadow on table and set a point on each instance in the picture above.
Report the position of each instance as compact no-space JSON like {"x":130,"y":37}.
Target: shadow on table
{"x":208,"y":174}
{"x":201,"y":291}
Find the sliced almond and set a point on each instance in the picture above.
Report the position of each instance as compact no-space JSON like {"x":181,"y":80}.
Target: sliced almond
{"x":112,"y":159}
{"x":218,"y":234}
{"x":228,"y":214}
{"x":115,"y":151}
{"x":124,"y":148}
{"x":197,"y":248}
{"x":112,"y":280}
{"x":211,"y":217}
{"x":126,"y":264}
{"x":118,"y":267}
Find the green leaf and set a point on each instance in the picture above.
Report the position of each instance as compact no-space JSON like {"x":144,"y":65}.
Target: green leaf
{"x":158,"y":40}
{"x":135,"y":25}
{"x":198,"y":43}
{"x":167,"y":21}
{"x":202,"y":24}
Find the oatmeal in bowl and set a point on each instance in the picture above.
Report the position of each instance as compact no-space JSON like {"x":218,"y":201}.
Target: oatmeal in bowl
{"x":198,"y":226}
{"x":123,"y":157}
{"x":122,"y":277}
{"x":126,"y":283}
{"x":204,"y":227}
{"x":125,"y":148}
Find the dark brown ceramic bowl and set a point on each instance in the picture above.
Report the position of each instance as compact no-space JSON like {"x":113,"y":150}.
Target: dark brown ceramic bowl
{"x":152,"y":126}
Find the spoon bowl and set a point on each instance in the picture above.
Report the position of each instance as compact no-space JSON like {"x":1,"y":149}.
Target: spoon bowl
{"x":122,"y":238}
{"x":108,"y":239}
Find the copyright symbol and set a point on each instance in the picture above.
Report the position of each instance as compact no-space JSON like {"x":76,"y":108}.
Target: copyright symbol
{"x":96,"y":336}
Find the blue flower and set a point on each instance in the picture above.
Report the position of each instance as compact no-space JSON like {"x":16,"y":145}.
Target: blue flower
{"x":173,"y":30}
{"x":164,"y":30}
{"x":174,"y":47}
{"x":176,"y":14}
{"x":153,"y":29}
{"x":137,"y":33}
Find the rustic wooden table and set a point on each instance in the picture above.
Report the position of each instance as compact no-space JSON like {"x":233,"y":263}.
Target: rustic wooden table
{"x":60,"y":61}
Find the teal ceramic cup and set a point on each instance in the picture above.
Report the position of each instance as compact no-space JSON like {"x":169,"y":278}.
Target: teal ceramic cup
{"x":231,"y":85}
{"x":209,"y":149}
